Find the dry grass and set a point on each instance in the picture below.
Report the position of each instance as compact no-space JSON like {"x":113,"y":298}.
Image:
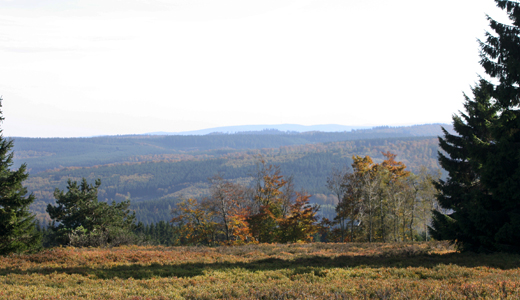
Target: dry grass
{"x":295,"y":271}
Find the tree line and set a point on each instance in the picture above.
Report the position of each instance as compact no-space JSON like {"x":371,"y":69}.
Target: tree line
{"x":376,"y":202}
{"x":152,"y":186}
{"x":268,"y":210}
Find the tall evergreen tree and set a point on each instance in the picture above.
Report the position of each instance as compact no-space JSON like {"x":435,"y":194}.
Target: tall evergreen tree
{"x":501,"y":60}
{"x":483,"y":161}
{"x":17,"y":225}
{"x":463,"y":194}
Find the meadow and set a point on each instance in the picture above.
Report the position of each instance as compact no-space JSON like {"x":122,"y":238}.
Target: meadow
{"x":430,"y":270}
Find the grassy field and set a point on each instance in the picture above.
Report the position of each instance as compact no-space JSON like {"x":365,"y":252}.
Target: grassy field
{"x":296,"y":271}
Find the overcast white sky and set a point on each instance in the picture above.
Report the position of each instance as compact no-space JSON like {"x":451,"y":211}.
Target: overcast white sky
{"x":93,"y":67}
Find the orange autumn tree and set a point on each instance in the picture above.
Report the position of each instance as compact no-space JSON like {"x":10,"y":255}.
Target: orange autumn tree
{"x":241,"y":232}
{"x":301,"y":223}
{"x":268,"y":203}
{"x":229,"y":207}
{"x":279,"y":214}
{"x":195,"y":223}
{"x":396,"y":169}
{"x":268,"y":212}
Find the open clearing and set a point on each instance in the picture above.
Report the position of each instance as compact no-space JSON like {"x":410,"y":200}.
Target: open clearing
{"x":296,"y":271}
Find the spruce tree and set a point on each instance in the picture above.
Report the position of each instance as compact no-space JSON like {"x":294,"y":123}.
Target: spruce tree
{"x":482,"y":192}
{"x":18,"y":232}
{"x":463,"y":193}
{"x":501,"y":61}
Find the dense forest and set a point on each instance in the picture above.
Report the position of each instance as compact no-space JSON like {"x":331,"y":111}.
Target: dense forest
{"x":154,"y":172}
{"x":41,"y":154}
{"x":371,"y":202}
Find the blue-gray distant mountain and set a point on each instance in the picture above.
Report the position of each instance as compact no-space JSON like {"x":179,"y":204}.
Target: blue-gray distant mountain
{"x":267,"y":129}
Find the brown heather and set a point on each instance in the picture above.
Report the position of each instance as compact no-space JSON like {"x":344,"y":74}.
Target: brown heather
{"x":266,"y":271}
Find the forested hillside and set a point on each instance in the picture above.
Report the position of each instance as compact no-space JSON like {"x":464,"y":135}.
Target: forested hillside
{"x":155,"y":184}
{"x":43,"y":154}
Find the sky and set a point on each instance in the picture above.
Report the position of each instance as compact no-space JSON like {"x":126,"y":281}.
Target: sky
{"x":105,"y":67}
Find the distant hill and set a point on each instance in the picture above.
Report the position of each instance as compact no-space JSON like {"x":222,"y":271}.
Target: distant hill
{"x":43,"y":154}
{"x":154,"y":170}
{"x":155,"y":183}
{"x":282,"y":128}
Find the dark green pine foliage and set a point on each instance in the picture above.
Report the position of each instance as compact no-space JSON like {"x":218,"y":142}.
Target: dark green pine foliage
{"x":501,"y":60}
{"x":468,"y":202}
{"x":84,"y":221}
{"x":482,"y":192}
{"x":160,"y":233}
{"x":18,"y":232}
